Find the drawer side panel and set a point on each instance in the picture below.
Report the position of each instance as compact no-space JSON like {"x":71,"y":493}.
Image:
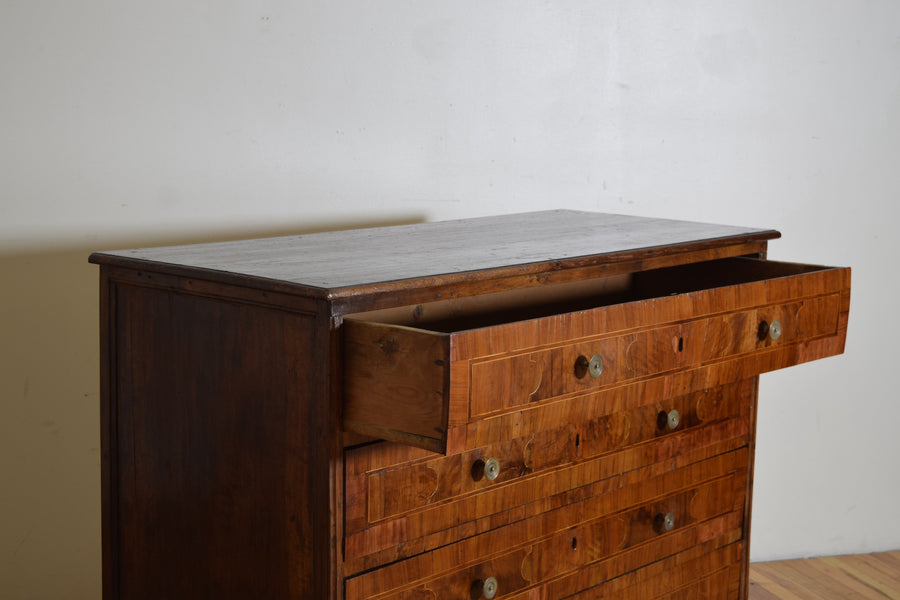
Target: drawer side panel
{"x":396,"y":383}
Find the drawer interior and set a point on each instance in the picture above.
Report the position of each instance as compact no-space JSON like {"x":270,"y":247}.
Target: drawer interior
{"x":462,"y":314}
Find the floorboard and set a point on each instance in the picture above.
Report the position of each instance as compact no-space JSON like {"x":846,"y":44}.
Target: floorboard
{"x":852,"y":577}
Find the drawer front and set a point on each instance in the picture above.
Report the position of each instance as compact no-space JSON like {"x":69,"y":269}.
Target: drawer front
{"x":711,"y":570}
{"x":576,"y":430}
{"x":425,"y":387}
{"x":609,"y":482}
{"x":499,"y":384}
{"x":637,"y":526}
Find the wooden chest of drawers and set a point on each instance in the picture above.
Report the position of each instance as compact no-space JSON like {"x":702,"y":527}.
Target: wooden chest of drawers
{"x":544,"y":406}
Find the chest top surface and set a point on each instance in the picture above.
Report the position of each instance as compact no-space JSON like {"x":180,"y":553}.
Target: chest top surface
{"x":325,"y":264}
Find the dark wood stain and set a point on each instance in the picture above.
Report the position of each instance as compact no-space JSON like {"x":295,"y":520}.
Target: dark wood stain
{"x":212,"y":414}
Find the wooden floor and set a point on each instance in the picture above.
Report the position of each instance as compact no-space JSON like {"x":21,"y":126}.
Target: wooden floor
{"x":855,"y":577}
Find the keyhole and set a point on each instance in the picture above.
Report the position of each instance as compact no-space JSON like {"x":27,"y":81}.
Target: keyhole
{"x":577,"y":439}
{"x":762,"y":331}
{"x":680,"y":344}
{"x":574,"y":543}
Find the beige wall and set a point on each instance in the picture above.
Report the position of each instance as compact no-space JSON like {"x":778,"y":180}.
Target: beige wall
{"x":130,"y":124}
{"x":49,"y":431}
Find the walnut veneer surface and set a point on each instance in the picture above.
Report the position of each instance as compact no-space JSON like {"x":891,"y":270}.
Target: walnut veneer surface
{"x":548,"y":405}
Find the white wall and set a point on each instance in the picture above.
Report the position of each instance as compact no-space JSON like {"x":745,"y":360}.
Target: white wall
{"x":134,"y":123}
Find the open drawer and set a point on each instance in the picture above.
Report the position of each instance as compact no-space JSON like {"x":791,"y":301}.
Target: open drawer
{"x":419,"y":379}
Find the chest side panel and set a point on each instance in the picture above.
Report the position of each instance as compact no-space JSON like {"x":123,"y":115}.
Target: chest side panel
{"x":211,"y":468}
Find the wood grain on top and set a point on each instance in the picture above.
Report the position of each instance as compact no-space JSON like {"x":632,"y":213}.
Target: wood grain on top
{"x":332,"y":261}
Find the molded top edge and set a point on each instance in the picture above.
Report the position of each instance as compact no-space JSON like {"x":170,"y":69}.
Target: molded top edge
{"x":326,"y":263}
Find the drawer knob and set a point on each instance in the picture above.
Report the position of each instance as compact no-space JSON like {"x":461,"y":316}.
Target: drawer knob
{"x":772,"y":330}
{"x":489,"y":589}
{"x":595,"y":365}
{"x":592,"y":366}
{"x":665,"y":522}
{"x":673,"y":419}
{"x":491,"y":469}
